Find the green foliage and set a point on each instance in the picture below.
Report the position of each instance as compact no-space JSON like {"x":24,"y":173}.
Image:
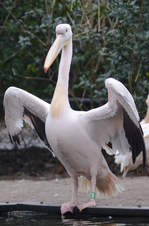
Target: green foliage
{"x":111,"y":38}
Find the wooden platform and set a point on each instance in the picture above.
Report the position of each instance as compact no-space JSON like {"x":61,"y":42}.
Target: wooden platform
{"x":111,"y":212}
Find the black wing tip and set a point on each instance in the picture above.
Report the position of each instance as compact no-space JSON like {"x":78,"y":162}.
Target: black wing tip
{"x":142,"y":147}
{"x":14,"y":139}
{"x":39,"y":126}
{"x":144,"y":157}
{"x":134,"y":135}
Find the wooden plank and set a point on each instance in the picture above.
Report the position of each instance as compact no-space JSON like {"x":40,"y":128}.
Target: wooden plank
{"x":124,"y":212}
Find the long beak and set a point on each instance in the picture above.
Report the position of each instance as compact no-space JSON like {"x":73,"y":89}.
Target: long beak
{"x":53,"y":52}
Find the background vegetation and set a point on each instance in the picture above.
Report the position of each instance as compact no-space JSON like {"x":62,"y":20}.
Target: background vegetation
{"x":111,"y":38}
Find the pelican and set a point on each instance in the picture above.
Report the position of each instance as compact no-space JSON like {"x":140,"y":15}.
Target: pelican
{"x":76,"y":137}
{"x":124,"y":160}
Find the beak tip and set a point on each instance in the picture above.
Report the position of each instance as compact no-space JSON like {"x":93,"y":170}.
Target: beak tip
{"x":45,"y":69}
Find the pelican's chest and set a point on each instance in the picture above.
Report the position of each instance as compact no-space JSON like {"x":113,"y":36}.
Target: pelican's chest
{"x":69,"y":140}
{"x":60,"y":131}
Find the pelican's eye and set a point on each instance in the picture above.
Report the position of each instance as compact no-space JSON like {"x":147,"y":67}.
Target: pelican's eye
{"x":66,"y":29}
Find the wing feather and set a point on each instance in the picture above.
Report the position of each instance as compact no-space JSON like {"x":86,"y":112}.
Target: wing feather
{"x":22,"y":106}
{"x":135,"y":137}
{"x":39,"y":126}
{"x":117,"y":121}
{"x":118,"y":92}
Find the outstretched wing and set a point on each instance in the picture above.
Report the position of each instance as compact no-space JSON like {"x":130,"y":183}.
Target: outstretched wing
{"x":117,"y":121}
{"x":22,"y":106}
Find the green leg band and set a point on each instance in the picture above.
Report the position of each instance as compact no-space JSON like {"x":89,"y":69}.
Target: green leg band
{"x":92,"y":195}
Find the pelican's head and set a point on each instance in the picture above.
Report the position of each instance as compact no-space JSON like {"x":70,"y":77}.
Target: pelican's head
{"x":63,"y":36}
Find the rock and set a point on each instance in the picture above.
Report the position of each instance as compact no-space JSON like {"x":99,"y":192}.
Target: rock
{"x":28,"y":138}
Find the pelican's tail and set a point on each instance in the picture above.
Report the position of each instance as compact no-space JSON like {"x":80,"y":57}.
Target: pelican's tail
{"x":106,"y":185}
{"x":84,"y":184}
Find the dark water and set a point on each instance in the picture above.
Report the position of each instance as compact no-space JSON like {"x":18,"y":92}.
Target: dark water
{"x":52,"y":221}
{"x":17,"y":219}
{"x":59,"y":222}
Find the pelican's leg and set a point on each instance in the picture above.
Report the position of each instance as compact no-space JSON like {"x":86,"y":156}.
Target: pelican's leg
{"x":92,"y":201}
{"x":75,"y":190}
{"x":69,"y":206}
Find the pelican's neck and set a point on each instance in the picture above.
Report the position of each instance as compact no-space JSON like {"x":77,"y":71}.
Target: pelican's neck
{"x":147,"y":116}
{"x":64,"y":68}
{"x":60,"y":97}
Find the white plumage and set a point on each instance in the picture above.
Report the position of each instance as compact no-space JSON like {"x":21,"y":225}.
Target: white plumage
{"x":76,"y":137}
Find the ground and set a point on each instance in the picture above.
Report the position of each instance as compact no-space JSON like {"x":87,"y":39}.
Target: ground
{"x":57,"y":191}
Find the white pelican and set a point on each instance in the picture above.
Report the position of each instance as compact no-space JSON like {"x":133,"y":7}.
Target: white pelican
{"x":76,"y":137}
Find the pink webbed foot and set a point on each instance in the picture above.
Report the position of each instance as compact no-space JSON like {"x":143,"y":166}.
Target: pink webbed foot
{"x":68,"y":207}
{"x":91,"y":203}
